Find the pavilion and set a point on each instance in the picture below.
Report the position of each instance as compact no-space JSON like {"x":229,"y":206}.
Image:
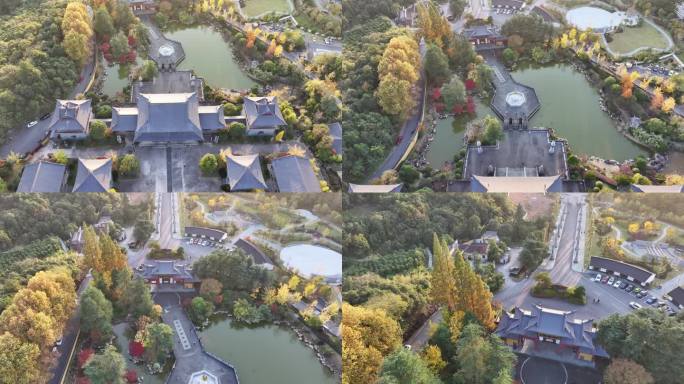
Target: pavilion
{"x":551,"y":332}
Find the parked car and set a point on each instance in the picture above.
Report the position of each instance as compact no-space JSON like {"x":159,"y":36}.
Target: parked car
{"x":31,"y":124}
{"x":637,"y":290}
{"x":598,"y":277}
{"x":45,"y":116}
{"x":641,"y":295}
{"x":634,"y":305}
{"x":617,"y":284}
{"x":651,"y":300}
{"x":629,"y":288}
{"x":604,"y":279}
{"x":611,"y":281}
{"x":623,"y":285}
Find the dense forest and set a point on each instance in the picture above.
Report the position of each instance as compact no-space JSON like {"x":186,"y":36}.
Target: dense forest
{"x":390,"y":293}
{"x":34,"y":66}
{"x":25,"y":218}
{"x":378,"y":225}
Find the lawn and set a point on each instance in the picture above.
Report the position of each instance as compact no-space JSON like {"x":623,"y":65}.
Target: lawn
{"x":254,"y":8}
{"x":632,"y":38}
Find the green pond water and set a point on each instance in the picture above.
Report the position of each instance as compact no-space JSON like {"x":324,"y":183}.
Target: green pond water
{"x":211,"y":58}
{"x":571,"y":106}
{"x":117,"y":77}
{"x":449,"y":136}
{"x":205,"y":52}
{"x":265,"y":354}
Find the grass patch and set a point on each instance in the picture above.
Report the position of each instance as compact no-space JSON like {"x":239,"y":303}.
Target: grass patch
{"x":254,"y":8}
{"x":642,"y":36}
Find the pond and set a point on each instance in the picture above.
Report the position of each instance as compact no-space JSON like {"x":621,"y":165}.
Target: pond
{"x":206,"y":53}
{"x":571,"y":107}
{"x":265,"y":354}
{"x":117,"y":77}
{"x":309,"y":260}
{"x":448,"y":139}
{"x":211,"y":57}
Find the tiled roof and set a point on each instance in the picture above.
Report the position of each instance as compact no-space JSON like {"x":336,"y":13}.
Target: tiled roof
{"x":169,"y":117}
{"x":244,"y":173}
{"x":515,"y":184}
{"x":550,"y":322}
{"x":294,"y":174}
{"x":93,"y":175}
{"x":641,"y":274}
{"x":369,"y":188}
{"x":70,"y":116}
{"x":262,"y":112}
{"x":42,"y":176}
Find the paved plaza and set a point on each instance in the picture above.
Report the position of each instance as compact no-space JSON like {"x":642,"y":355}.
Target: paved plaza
{"x":520,"y":153}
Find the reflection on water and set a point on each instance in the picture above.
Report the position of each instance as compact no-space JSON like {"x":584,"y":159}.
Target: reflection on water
{"x":571,"y":106}
{"x":265,"y":354}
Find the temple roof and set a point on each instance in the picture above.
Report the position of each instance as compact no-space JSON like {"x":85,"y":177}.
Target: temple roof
{"x":93,"y":175}
{"x":70,"y":116}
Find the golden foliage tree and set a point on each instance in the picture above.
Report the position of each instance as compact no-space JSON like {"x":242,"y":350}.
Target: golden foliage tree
{"x":669,"y":105}
{"x":432,"y":356}
{"x":77,"y":31}
{"x":432,"y":25}
{"x":398,"y":70}
{"x":442,"y":283}
{"x":368,"y":336}
{"x":464,"y":290}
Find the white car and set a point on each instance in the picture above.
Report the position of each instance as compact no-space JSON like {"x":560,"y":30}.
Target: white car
{"x":597,"y":278}
{"x":617,"y":283}
{"x":31,"y":124}
{"x":634,"y":305}
{"x":611,"y":281}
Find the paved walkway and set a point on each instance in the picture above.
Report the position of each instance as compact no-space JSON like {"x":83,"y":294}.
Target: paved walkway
{"x":165,"y":52}
{"x":187,"y":346}
{"x":505,"y":84}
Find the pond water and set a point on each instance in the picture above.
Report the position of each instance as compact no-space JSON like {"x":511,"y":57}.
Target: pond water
{"x":449,"y":136}
{"x":311,"y":260}
{"x":265,"y":354}
{"x":210,"y":57}
{"x":117,"y":77}
{"x":205,"y":52}
{"x":571,"y":106}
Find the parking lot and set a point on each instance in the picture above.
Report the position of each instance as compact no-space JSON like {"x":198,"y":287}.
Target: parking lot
{"x":626,"y":294}
{"x":196,"y":248}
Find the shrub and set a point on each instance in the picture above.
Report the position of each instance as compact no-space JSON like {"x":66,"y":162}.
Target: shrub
{"x":209,"y":164}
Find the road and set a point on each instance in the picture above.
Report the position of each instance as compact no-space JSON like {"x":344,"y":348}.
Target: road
{"x":420,"y":337}
{"x":408,"y":131}
{"x":24,"y":140}
{"x":169,"y":238}
{"x":70,"y":337}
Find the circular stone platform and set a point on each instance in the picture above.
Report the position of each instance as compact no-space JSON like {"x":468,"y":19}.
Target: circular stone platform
{"x":596,"y":19}
{"x":203,"y":377}
{"x":166,"y":50}
{"x":542,"y":371}
{"x":515,"y":99}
